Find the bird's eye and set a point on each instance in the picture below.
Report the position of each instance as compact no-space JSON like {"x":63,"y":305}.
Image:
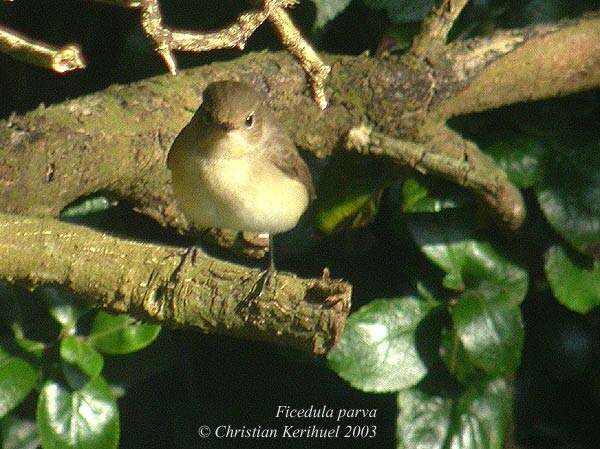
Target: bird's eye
{"x":250,"y":120}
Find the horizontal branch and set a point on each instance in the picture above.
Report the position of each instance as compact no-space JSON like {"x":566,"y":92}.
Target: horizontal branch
{"x":162,"y":285}
{"x":116,"y":141}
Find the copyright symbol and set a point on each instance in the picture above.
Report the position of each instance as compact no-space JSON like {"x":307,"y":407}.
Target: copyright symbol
{"x":204,"y":431}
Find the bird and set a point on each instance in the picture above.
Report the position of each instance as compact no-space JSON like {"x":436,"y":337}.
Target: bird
{"x":233,"y":166}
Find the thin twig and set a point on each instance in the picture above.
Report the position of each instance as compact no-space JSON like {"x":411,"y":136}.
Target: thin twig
{"x":235,"y":36}
{"x":59,"y":59}
{"x":314,"y":67}
{"x":162,"y":37}
{"x":436,"y":26}
{"x":122,"y":3}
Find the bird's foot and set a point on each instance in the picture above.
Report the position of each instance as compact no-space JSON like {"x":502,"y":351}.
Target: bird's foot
{"x":265,"y":279}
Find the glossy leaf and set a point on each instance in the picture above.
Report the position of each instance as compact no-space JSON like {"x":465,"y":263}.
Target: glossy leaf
{"x":18,"y":433}
{"x":569,"y":194}
{"x":86,"y":207}
{"x":377,"y":351}
{"x":491,"y":332}
{"x":456,"y":359}
{"x":575,"y":287}
{"x":62,"y":307}
{"x":121,"y":334}
{"x":421,"y":194}
{"x":327,"y":10}
{"x":77,"y":351}
{"x":33,"y":347}
{"x":347,"y":200}
{"x":86,"y":418}
{"x":17,"y":379}
{"x":519,"y":155}
{"x":469,"y":263}
{"x":489,"y":290}
{"x":475,"y":419}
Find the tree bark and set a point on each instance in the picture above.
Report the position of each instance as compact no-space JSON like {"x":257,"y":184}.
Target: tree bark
{"x":115,"y":142}
{"x":160,"y":284}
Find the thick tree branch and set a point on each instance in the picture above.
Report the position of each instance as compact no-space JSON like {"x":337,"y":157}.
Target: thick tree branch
{"x":163,"y":285}
{"x":484,"y":178}
{"x":523,"y":65}
{"x":116,"y":141}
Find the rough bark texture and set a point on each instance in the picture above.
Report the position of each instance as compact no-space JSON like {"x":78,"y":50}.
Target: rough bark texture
{"x":116,"y":141}
{"x":157,"y":284}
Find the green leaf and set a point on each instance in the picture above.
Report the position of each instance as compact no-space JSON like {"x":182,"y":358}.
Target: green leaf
{"x":62,"y":307}
{"x":426,"y":194}
{"x":121,"y":334}
{"x":573,"y":286}
{"x":569,"y":194}
{"x":403,"y":10}
{"x":491,"y":332}
{"x":18,"y":433}
{"x":86,"y":207}
{"x":469,"y":263}
{"x":486,"y":315}
{"x":377,"y":351}
{"x":347,"y":200}
{"x":77,"y":351}
{"x":34,"y":347}
{"x":453,"y":353}
{"x":17,"y":379}
{"x":475,"y":419}
{"x":519,"y":156}
{"x":13,"y":312}
{"x":86,"y":418}
{"x":327,"y":10}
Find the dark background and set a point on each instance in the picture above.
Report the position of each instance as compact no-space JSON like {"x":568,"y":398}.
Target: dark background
{"x":185,"y":379}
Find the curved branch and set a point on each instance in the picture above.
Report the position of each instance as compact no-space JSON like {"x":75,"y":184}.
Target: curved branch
{"x":160,"y":284}
{"x":521,"y":65}
{"x":116,"y":141}
{"x":481,"y":176}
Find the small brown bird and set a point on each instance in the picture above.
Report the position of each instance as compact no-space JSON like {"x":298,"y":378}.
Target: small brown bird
{"x":234,"y":167}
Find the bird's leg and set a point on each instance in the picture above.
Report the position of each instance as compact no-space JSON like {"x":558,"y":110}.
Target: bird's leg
{"x":264,"y":279}
{"x":267,"y":274}
{"x":191,"y":252}
{"x":271,"y":266}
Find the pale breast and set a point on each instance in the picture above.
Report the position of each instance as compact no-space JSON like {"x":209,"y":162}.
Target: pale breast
{"x":255,"y":196}
{"x":240,"y":194}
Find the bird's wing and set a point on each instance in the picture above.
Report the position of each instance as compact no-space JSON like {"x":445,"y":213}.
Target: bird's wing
{"x":285,"y":157}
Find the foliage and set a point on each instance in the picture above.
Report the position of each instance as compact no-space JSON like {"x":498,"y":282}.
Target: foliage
{"x":445,"y":344}
{"x":328,"y":10}
{"x":76,"y":407}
